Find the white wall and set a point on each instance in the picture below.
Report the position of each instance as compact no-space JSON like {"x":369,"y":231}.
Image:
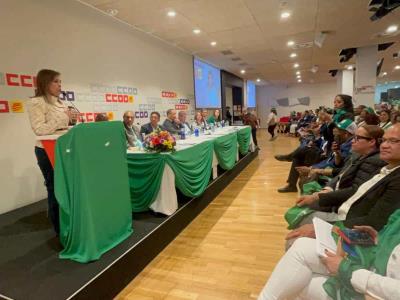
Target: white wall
{"x":88,"y":48}
{"x":320,"y":94}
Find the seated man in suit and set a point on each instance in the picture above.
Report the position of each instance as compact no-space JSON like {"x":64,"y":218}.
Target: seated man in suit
{"x":183,"y":124}
{"x":171,"y":124}
{"x":153,"y":125}
{"x":131,"y":131}
{"x":374,"y":201}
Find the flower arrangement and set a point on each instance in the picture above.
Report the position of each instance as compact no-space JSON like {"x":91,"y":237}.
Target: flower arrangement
{"x":159,"y":141}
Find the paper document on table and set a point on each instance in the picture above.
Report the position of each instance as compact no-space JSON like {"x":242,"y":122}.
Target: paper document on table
{"x":323,"y":235}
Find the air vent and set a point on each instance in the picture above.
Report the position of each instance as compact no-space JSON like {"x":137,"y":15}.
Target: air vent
{"x":236,"y":58}
{"x":227,"y":52}
{"x":243,"y":64}
{"x":303,"y":45}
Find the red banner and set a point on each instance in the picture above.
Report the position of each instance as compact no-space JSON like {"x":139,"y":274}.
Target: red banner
{"x":167,"y":94}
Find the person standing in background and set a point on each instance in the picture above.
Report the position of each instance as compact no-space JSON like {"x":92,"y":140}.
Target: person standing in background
{"x":272,"y":121}
{"x":47,"y":115}
{"x":251,"y":120}
{"x":228,"y":115}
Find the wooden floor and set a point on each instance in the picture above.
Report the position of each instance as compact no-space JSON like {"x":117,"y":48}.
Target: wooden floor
{"x":229,"y":250}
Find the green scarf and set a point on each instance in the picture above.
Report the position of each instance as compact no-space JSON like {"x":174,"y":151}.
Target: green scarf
{"x":295,"y":214}
{"x":375,"y":257}
{"x":338,"y":115}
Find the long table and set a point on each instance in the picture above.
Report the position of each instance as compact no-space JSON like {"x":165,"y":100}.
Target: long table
{"x":153,"y":177}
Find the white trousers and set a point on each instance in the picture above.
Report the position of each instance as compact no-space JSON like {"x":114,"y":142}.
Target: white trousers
{"x":298,"y":275}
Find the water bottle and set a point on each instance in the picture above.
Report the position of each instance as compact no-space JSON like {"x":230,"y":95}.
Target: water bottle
{"x":196,"y":131}
{"x":183,"y":133}
{"x":222,"y":123}
{"x":212,"y":127}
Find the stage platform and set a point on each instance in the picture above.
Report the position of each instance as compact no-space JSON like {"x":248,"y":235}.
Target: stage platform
{"x":29,"y":263}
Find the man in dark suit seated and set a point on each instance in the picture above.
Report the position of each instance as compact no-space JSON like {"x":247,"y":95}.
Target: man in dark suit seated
{"x":131,"y":131}
{"x":171,"y":124}
{"x":374,"y":201}
{"x":153,"y":125}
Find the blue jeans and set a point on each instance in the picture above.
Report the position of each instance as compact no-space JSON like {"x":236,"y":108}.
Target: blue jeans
{"x":48,"y":174}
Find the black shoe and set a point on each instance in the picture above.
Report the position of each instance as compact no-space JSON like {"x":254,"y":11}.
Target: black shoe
{"x":288,"y":189}
{"x":282,"y":157}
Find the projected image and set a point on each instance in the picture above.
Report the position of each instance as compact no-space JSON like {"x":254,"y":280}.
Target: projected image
{"x":207,"y":85}
{"x":251,"y":94}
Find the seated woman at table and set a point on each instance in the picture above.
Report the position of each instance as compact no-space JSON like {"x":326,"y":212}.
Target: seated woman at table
{"x":198,"y":121}
{"x":47,"y":114}
{"x":215,"y":118}
{"x":373,"y":272}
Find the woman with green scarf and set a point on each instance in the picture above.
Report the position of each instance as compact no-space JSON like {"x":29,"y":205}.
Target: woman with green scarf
{"x":343,"y":106}
{"x":368,"y":271}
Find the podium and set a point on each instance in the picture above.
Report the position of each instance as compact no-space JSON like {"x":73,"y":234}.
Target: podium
{"x":92,"y":189}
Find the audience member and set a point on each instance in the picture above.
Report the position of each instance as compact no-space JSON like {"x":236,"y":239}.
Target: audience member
{"x":343,"y":106}
{"x":384,"y":117}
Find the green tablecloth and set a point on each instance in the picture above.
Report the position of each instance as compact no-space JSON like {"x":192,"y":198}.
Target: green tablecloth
{"x":192,"y":167}
{"x":244,"y":137}
{"x":92,"y":188}
{"x":145,"y":174}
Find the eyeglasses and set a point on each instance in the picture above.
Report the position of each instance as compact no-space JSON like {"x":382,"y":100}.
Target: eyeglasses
{"x":391,"y":141}
{"x":360,"y":137}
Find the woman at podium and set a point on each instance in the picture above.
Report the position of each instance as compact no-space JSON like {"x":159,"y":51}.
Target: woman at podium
{"x":47,"y":114}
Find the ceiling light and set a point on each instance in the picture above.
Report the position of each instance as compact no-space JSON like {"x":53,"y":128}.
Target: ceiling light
{"x":293,"y":55}
{"x":258,"y":80}
{"x":298,"y":80}
{"x":171,"y":14}
{"x":112,"y":12}
{"x":296,"y":65}
{"x":285,"y":15}
{"x":391,"y":29}
{"x":213,"y":44}
{"x":242,"y":71}
{"x":350,"y":68}
{"x":196,"y":31}
{"x":298,"y":76}
{"x":397,"y":67}
{"x":298,"y":73}
{"x":384,"y":73}
{"x":290,"y":43}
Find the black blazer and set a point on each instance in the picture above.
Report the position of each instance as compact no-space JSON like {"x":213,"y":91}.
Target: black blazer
{"x":375,"y":207}
{"x":147,"y":128}
{"x":356,"y":171}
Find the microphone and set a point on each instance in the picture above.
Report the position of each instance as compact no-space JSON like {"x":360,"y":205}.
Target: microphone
{"x":73,"y":106}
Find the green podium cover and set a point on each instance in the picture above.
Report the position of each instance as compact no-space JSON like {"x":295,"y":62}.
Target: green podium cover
{"x":92,"y":188}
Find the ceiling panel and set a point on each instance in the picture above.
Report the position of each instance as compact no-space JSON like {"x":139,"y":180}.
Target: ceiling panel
{"x":254,"y":32}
